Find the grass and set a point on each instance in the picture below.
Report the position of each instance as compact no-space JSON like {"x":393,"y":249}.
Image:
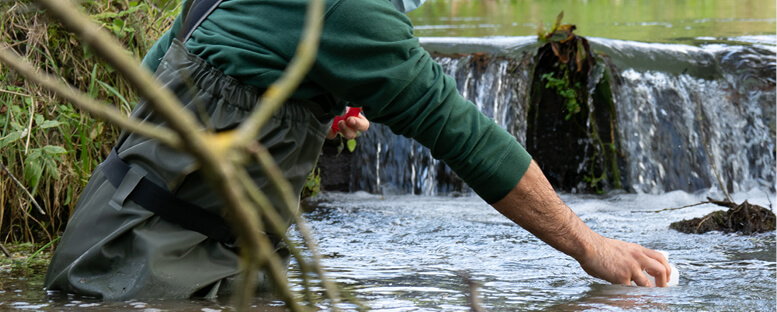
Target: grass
{"x":49,"y":146}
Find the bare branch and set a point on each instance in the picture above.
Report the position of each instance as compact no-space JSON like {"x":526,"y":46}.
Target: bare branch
{"x":107,"y":47}
{"x":196,"y":141}
{"x":21,"y":186}
{"x":277,"y":224}
{"x":210,"y":149}
{"x":282,"y":185}
{"x":670,"y":209}
{"x":99,"y":110}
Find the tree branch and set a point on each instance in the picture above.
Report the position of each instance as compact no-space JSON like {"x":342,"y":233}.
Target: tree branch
{"x":282,"y":185}
{"x":219,"y":154}
{"x":20,"y":185}
{"x":107,"y":47}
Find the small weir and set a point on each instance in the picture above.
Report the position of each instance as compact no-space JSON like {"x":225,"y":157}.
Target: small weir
{"x":664,"y":95}
{"x":401,"y":239}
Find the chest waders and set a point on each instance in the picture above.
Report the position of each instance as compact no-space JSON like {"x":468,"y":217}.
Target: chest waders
{"x":148,"y":224}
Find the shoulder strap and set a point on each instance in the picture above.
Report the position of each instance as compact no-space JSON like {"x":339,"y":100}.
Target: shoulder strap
{"x":194,"y":12}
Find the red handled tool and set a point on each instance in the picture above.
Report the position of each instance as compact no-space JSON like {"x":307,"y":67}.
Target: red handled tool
{"x":352,"y":111}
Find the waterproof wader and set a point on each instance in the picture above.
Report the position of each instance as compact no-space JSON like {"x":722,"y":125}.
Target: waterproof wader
{"x":117,"y":248}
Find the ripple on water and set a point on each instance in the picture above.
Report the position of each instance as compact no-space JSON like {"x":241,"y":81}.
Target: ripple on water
{"x":406,"y":253}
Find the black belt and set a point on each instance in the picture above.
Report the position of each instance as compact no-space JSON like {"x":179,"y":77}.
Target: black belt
{"x":170,"y":208}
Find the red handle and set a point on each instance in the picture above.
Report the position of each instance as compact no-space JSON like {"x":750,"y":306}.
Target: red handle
{"x":352,"y":111}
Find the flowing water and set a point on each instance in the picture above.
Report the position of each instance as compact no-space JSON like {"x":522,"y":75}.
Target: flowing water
{"x":664,"y":96}
{"x":407,"y":253}
{"x":682,"y":67}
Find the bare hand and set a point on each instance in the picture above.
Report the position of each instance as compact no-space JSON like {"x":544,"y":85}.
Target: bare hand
{"x":534,"y":205}
{"x":621,"y":263}
{"x":350,"y":127}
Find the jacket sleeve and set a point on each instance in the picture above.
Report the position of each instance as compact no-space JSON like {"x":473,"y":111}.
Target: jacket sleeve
{"x":369,"y":57}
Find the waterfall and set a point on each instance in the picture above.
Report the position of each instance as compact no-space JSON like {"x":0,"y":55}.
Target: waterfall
{"x":664,"y":96}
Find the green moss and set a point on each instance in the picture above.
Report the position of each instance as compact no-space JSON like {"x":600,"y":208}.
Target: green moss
{"x":26,"y":259}
{"x":563,"y":89}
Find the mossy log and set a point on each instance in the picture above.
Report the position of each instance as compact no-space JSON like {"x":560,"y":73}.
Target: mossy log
{"x":571,"y":122}
{"x":742,"y":218}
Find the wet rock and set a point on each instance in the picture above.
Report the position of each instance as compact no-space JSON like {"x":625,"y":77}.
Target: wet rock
{"x":571,"y":124}
{"x":335,"y":164}
{"x":742,"y":218}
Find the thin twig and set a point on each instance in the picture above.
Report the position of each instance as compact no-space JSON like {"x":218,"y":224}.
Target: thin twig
{"x":277,"y":225}
{"x":107,"y":47}
{"x":472,"y":292}
{"x":696,"y":231}
{"x":670,"y":209}
{"x":24,"y":189}
{"x":99,"y":110}
{"x":5,"y":251}
{"x":29,"y":128}
{"x":282,"y":185}
{"x":16,"y":93}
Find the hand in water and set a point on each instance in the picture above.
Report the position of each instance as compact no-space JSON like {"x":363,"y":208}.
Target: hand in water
{"x":621,"y":263}
{"x":534,"y":205}
{"x":349,"y":127}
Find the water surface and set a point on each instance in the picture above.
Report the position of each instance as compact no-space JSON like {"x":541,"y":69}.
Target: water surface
{"x":638,"y":20}
{"x":405,"y":253}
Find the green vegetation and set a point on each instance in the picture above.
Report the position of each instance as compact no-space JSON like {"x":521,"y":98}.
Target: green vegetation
{"x":26,"y":259}
{"x":571,"y":95}
{"x":47,"y":144}
{"x":563,"y":89}
{"x":312,"y":184}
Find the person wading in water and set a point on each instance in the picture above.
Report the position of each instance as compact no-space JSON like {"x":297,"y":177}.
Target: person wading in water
{"x":148,"y":226}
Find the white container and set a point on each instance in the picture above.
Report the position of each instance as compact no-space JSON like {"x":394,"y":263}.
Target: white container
{"x":674,"y":275}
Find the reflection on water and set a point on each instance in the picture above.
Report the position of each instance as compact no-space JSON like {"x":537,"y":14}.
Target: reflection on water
{"x":405,"y":253}
{"x":641,"y":20}
{"x":402,"y":253}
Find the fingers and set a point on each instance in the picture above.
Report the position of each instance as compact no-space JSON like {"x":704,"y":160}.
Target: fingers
{"x":358,"y":123}
{"x":641,"y":280}
{"x":350,"y":127}
{"x":347,"y":132}
{"x":657,"y":266}
{"x":623,"y":263}
{"x":331,"y":135}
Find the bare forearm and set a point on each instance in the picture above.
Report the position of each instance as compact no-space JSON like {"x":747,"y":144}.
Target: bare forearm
{"x":534,"y":205}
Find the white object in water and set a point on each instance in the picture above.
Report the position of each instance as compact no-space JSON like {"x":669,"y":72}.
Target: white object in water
{"x":674,"y":275}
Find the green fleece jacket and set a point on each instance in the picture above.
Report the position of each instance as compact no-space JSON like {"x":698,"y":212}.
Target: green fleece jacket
{"x":368,"y":57}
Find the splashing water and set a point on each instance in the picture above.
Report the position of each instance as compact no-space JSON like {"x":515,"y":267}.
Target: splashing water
{"x":664,"y":96}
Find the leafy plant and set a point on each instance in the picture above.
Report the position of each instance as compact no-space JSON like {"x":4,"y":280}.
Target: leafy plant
{"x":562,"y":88}
{"x":44,"y":141}
{"x":312,"y":184}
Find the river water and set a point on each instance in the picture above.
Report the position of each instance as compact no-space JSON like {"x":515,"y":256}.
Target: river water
{"x":404,"y":253}
{"x":399,"y":252}
{"x":407,"y":253}
{"x":667,"y":21}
